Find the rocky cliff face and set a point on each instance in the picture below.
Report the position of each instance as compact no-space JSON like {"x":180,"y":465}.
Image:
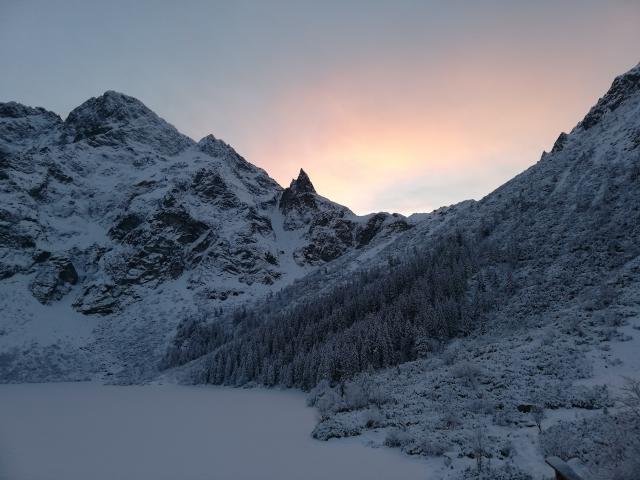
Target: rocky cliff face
{"x":330,"y":230}
{"x":107,"y":210}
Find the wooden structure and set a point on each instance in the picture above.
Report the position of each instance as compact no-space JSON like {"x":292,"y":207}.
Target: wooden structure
{"x":562,"y":469}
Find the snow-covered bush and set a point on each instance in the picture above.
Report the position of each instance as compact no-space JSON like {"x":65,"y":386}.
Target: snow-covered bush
{"x":506,"y":472}
{"x":561,"y":440}
{"x":373,"y":418}
{"x":325,"y":399}
{"x":355,"y":395}
{"x":504,"y":418}
{"x":450,"y":420}
{"x":433,"y":447}
{"x":467,"y":372}
{"x":449,"y":356}
{"x":339,"y":426}
{"x":362,"y":392}
{"x":480,"y":406}
{"x":591,"y":398}
{"x":321,"y":389}
{"x":397,"y":438}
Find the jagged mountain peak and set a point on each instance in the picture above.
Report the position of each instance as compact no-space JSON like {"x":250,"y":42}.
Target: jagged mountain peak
{"x":18,"y":110}
{"x":299,"y":195}
{"x":302,"y":184}
{"x":624,"y":88}
{"x":115,"y":118}
{"x":111,"y":105}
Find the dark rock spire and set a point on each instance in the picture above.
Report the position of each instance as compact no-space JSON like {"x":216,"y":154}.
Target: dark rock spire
{"x":300,"y":194}
{"x":302,"y":184}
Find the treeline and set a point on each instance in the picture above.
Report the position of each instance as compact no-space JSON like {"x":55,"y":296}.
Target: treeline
{"x":379,"y":318}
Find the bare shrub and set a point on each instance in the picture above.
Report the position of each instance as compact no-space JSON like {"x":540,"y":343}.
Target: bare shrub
{"x":630,"y":397}
{"x":537,"y":414}
{"x":560,"y":441}
{"x":479,"y":446}
{"x":355,"y":396}
{"x":325,"y":399}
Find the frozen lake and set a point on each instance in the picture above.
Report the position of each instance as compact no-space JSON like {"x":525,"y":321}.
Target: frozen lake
{"x":80,"y":431}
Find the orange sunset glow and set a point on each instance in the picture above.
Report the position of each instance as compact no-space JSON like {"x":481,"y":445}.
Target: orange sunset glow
{"x":452,"y":130}
{"x":413,"y":106}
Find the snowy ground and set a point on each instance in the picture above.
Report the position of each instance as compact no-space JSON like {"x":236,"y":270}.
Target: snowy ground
{"x":431,"y":408}
{"x":77,"y":431}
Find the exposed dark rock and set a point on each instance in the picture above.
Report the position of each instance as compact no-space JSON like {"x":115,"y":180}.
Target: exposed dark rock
{"x":221,"y":294}
{"x":39,"y":191}
{"x":371,"y":229}
{"x":299,"y":195}
{"x":8,"y":270}
{"x":53,"y":279}
{"x":302,"y":184}
{"x":67,"y":273}
{"x":623,"y":88}
{"x":98,"y":300}
{"x":210,"y":186}
{"x":125,"y":225}
{"x":258,"y":223}
{"x":271,"y":258}
{"x":13,"y":233}
{"x":560,"y":143}
{"x":41,"y":256}
{"x":525,"y":408}
{"x":179,"y":223}
{"x":56,"y":172}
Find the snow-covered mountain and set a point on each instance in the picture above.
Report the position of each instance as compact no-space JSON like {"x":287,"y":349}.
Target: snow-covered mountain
{"x":457,"y":338}
{"x":474,"y":334}
{"x":114,"y":227}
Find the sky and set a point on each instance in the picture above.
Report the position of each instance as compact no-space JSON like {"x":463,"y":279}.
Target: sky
{"x":398,"y":105}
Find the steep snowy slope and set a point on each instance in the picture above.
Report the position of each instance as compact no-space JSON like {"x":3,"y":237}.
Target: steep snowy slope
{"x":503,"y":308}
{"x":114,"y":227}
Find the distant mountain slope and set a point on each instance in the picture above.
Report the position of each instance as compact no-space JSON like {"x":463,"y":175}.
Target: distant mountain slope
{"x":113,"y":213}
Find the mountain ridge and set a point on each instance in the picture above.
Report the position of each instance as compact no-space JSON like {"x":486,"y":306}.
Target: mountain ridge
{"x":108,"y":207}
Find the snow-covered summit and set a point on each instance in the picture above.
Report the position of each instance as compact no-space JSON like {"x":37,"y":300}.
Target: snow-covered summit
{"x":115,"y":119}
